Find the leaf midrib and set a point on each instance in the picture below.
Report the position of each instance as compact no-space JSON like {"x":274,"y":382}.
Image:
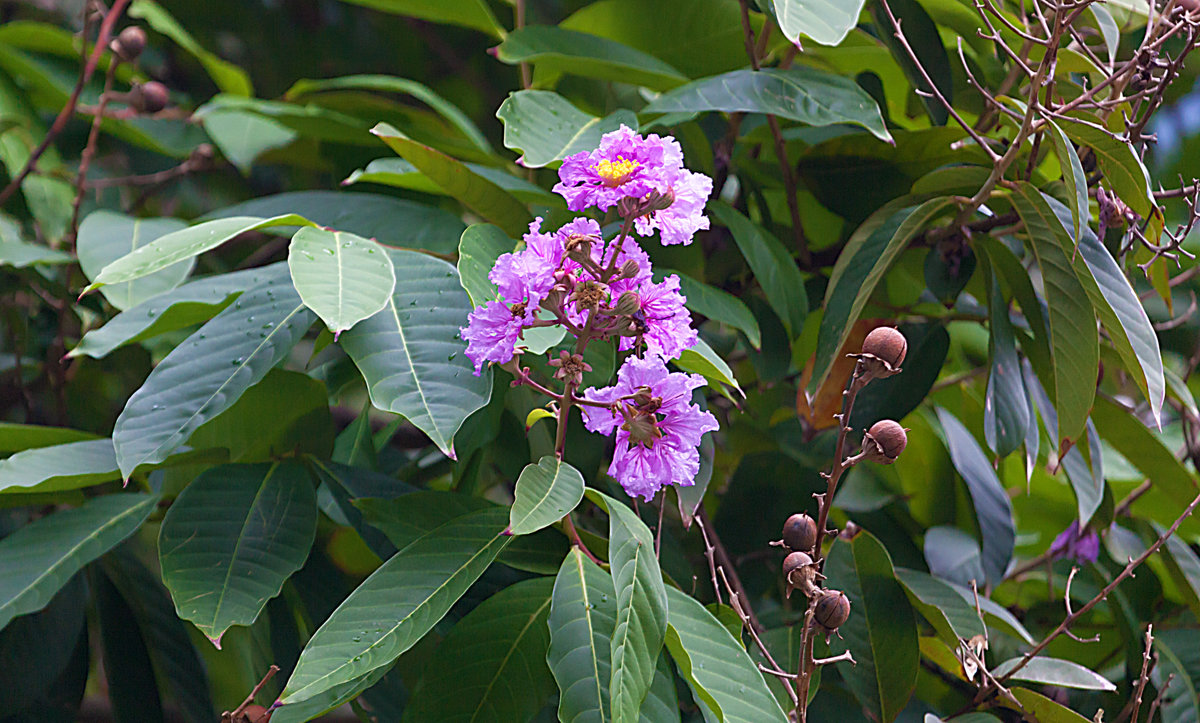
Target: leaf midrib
{"x":237,"y":547}
{"x":504,"y":662}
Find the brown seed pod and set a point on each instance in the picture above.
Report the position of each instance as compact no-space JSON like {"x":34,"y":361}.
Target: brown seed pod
{"x":129,"y":44}
{"x":800,"y":573}
{"x":883,"y":352}
{"x":150,"y":97}
{"x":832,"y":610}
{"x":884,"y":441}
{"x":800,"y":532}
{"x":255,"y":713}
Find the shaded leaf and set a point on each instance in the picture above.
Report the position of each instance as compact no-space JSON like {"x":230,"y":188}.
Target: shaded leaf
{"x":59,"y":467}
{"x":1054,"y":671}
{"x":1123,"y":170}
{"x":105,"y":236}
{"x":1145,"y":450}
{"x":1046,"y":710}
{"x":561,"y":50}
{"x":474,"y":14}
{"x":545,"y":127}
{"x":228,"y":77}
{"x":772,"y":265}
{"x":716,"y":304}
{"x":544,"y":493}
{"x":1006,"y":408}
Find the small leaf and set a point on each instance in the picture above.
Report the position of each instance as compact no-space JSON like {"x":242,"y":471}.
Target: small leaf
{"x":544,"y":493}
{"x":1044,"y":709}
{"x":992,"y":506}
{"x":343,"y":278}
{"x":826,"y":22}
{"x":232,"y":538}
{"x":1006,"y":408}
{"x":39,"y":558}
{"x":560,"y":50}
{"x":1073,"y":176}
{"x":546,"y":127}
{"x":537,"y":415}
{"x":702,"y":360}
{"x":772,"y":265}
{"x":1123,"y":170}
{"x":1053,"y":671}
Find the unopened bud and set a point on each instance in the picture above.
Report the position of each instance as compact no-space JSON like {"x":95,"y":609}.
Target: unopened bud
{"x":629,"y":207}
{"x":630,"y":269}
{"x":129,"y":44}
{"x":150,"y":97}
{"x":203,"y":154}
{"x":884,"y":441}
{"x":832,"y":610}
{"x":554,"y":300}
{"x":628,"y":303}
{"x":579,"y":247}
{"x":658,"y":201}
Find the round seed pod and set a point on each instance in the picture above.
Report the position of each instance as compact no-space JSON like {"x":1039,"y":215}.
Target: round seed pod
{"x":884,"y":441}
{"x":129,"y":43}
{"x":150,"y":97}
{"x":883,"y":351}
{"x":255,"y":713}
{"x":800,"y":532}
{"x":832,"y":610}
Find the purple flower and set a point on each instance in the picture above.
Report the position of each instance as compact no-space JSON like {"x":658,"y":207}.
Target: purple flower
{"x":679,"y":222}
{"x":1083,"y":548}
{"x":664,"y":322}
{"x":528,"y":275}
{"x":492,"y":332}
{"x":658,"y":429}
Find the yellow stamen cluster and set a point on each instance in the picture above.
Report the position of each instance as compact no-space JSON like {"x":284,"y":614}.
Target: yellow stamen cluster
{"x":615,"y":173}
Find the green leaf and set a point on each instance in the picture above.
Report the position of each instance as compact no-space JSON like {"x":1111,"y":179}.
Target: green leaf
{"x":38,"y":559}
{"x":474,"y":191}
{"x":1123,"y":170}
{"x":546,"y":127}
{"x":391,"y":221}
{"x":343,"y":278}
{"x":992,"y":506}
{"x":881,"y":631}
{"x":544,"y":493}
{"x":473,"y":14}
{"x":582,"y":619}
{"x":243,"y":136}
{"x":36,"y":648}
{"x":1006,"y":407}
{"x":105,"y":236}
{"x":400,"y":602}
{"x":716,"y":304}
{"x":60,"y":467}
{"x":950,"y":615}
{"x":1087,"y":481}
{"x":209,"y":371}
{"x":1144,"y":450}
{"x":1054,"y":671}
{"x":18,"y":437}
{"x":1073,"y":177}
{"x":641,"y":607}
{"x":560,"y":50}
{"x":132,"y":690}
{"x":867,"y":256}
{"x":399,"y":173}
{"x":49,"y":199}
{"x":192,"y":303}
{"x":1074,"y":340}
{"x":1045,"y":710}
{"x":1184,"y":568}
{"x":410,"y":353}
{"x":481,"y":244}
{"x":716,"y":665}
{"x":825,"y":21}
{"x":228,"y":77}
{"x":232,"y":538}
{"x":492,"y":665}
{"x":184,"y":244}
{"x":702,"y":360}
{"x":801,"y":94}
{"x":772,"y":265}
{"x":1108,"y":28}
{"x":20,"y":254}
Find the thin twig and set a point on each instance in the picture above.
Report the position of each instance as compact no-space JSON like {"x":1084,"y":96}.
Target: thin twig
{"x":89,"y":150}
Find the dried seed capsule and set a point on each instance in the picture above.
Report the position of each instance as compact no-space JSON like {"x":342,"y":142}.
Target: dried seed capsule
{"x":883,"y":351}
{"x":255,"y":713}
{"x":832,"y":610}
{"x":800,"y":532}
{"x":800,"y":573}
{"x":129,"y":44}
{"x":884,"y":441}
{"x":150,"y":97}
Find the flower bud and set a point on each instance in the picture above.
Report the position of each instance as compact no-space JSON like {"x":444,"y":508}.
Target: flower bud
{"x":884,"y":441}
{"x":800,"y":532}
{"x":800,"y":573}
{"x":882,"y":352}
{"x":658,"y":201}
{"x":631,"y":269}
{"x":832,"y":610}
{"x":628,"y":303}
{"x":629,"y":207}
{"x":129,"y":44}
{"x":150,"y":97}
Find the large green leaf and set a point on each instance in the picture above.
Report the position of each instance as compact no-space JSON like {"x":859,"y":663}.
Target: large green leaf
{"x":481,"y":244}
{"x":343,"y":278}
{"x":38,"y":559}
{"x":582,"y":617}
{"x":546,"y":127}
{"x":105,"y":236}
{"x":717,"y":305}
{"x":716,"y":665}
{"x":824,"y":21}
{"x":474,"y":191}
{"x":1055,"y":671}
{"x":867,"y":256}
{"x":192,"y":303}
{"x":473,"y":14}
{"x":232,"y":538}
{"x":1144,"y":450}
{"x":400,"y":173}
{"x":641,"y":607}
{"x":1123,"y":170}
{"x":881,"y":632}
{"x":19,"y":437}
{"x":950,"y":615}
{"x":772,"y":266}
{"x":1073,"y":177}
{"x":992,"y":506}
{"x":545,"y":492}
{"x":59,"y":467}
{"x":560,"y":50}
{"x":398,"y":603}
{"x":492,"y":665}
{"x":801,"y":94}
{"x":933,"y":592}
{"x":184,"y":244}
{"x":206,"y":374}
{"x":1045,"y":710}
{"x":1075,"y":343}
{"x":410,"y":353}
{"x":1006,"y":407}
{"x":228,"y":77}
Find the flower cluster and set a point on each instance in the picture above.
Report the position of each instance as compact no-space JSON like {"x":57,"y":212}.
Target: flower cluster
{"x":602,"y":289}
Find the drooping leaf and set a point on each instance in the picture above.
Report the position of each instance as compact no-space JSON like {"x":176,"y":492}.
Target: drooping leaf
{"x":410,"y":353}
{"x":545,"y":127}
{"x":1073,"y":177}
{"x":474,"y":14}
{"x":716,"y":665}
{"x":228,"y":77}
{"x":59,"y":467}
{"x":544,"y":493}
{"x":949,"y":614}
{"x":560,"y":50}
{"x":1123,"y":171}
{"x":881,"y":631}
{"x":36,"y":648}
{"x":1145,"y":450}
{"x":1055,"y":671}
{"x":398,"y":603}
{"x":1006,"y":408}
{"x":582,"y":619}
{"x":105,"y":236}
{"x":702,"y":360}
{"x":400,"y":173}
{"x":132,"y":689}
{"x":232,"y":538}
{"x":492,"y":665}
{"x":992,"y":506}
{"x":641,"y":607}
{"x":343,"y":278}
{"x":772,"y":265}
{"x":206,"y":374}
{"x":801,"y":94}
{"x":474,"y":191}
{"x":826,"y":22}
{"x":38,"y":559}
{"x":716,"y":304}
{"x":184,"y":244}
